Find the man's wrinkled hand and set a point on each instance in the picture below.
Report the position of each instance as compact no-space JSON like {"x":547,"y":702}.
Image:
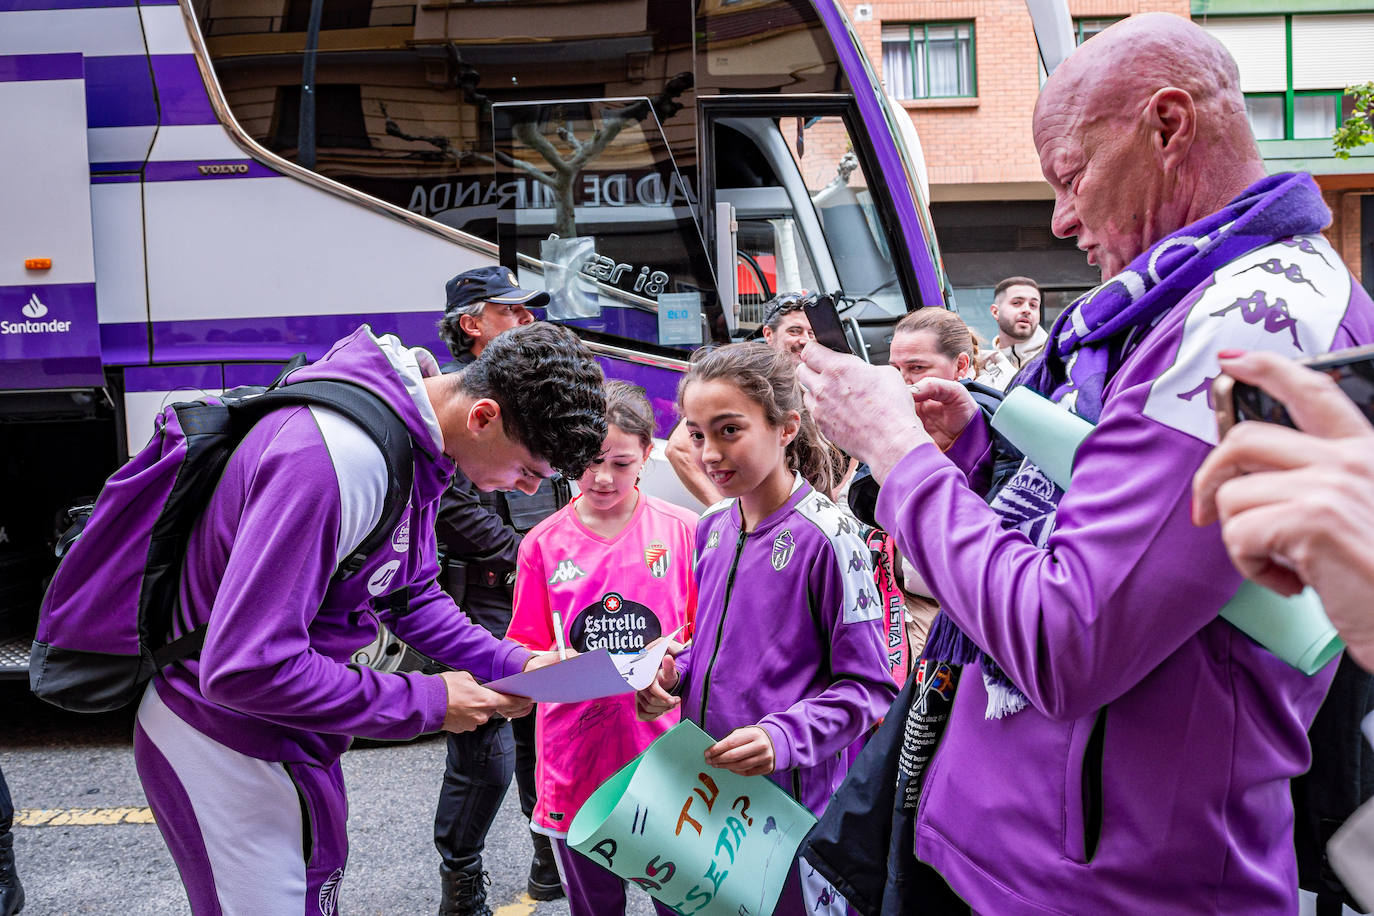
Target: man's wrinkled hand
{"x":944,"y":408}
{"x":865,"y":410}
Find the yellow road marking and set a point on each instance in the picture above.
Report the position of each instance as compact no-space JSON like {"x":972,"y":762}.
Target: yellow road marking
{"x":80,"y":817}
{"x":523,"y":906}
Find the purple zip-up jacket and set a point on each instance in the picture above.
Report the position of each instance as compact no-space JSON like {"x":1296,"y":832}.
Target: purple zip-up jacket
{"x":789,"y":636}
{"x":301,"y":491}
{"x":1182,"y":805}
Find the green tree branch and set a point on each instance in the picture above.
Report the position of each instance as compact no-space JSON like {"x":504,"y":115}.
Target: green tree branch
{"x":1358,"y":129}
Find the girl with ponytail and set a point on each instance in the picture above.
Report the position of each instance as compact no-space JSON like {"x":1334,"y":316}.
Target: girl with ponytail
{"x":788,"y":667}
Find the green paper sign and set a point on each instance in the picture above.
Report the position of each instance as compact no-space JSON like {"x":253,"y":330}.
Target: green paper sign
{"x":699,"y":839}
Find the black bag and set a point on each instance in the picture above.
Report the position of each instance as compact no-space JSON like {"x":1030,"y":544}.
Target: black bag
{"x":1340,"y":779}
{"x":863,"y":842}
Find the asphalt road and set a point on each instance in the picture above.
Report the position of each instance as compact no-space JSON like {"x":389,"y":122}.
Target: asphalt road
{"x":84,"y":842}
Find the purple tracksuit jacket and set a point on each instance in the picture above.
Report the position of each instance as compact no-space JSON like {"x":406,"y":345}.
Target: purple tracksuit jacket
{"x":789,"y":635}
{"x":1115,"y":610}
{"x":303,"y":488}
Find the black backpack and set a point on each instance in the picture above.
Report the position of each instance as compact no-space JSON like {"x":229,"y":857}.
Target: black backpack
{"x":106,"y":619}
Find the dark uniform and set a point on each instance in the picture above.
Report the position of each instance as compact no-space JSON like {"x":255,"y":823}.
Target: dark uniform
{"x":11,"y":892}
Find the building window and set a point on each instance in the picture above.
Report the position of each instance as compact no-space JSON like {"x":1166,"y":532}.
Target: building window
{"x":1313,"y":115}
{"x":1316,"y":114}
{"x":1293,"y":69}
{"x":1083,"y":29}
{"x":929,"y":60}
{"x":1266,"y":114}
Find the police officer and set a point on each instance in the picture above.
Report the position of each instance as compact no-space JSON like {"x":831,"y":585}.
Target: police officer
{"x":479,"y":534}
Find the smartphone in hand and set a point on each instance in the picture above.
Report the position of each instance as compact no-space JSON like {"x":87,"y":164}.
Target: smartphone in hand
{"x":826,"y":324}
{"x":1352,"y":370}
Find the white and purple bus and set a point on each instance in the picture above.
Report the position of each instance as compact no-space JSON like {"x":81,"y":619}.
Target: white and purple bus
{"x":195,"y":191}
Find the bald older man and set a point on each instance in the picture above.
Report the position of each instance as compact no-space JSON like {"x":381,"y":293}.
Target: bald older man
{"x":1112,"y":745}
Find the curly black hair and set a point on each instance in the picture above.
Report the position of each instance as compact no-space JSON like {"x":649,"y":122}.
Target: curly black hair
{"x":549,"y":387}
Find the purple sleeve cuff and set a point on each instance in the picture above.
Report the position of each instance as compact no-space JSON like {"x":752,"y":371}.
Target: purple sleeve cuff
{"x":435,"y":699}
{"x":683,"y":660}
{"x":782,"y":747}
{"x":509,"y":659}
{"x":972,"y":453}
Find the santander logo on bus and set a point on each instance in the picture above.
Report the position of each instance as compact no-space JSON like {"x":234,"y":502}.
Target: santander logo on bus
{"x":33,"y":311}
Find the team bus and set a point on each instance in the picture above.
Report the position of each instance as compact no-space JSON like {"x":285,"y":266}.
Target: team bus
{"x":196,"y":191}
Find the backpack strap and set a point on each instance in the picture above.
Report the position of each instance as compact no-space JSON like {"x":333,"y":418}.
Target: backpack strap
{"x":376,"y":418}
{"x":183,"y":647}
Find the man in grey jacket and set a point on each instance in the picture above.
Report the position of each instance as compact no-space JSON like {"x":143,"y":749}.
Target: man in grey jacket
{"x":1020,"y":338}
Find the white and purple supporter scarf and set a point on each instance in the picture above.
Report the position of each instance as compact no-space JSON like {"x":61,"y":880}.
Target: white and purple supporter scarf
{"x":1093,"y":337}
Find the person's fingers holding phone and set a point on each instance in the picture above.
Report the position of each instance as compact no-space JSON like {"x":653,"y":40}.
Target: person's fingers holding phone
{"x":866,"y":410}
{"x":1250,"y":448}
{"x":1313,"y":399}
{"x":1316,"y":404}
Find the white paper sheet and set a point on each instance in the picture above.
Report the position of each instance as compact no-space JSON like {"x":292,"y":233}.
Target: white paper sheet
{"x":588,"y":676}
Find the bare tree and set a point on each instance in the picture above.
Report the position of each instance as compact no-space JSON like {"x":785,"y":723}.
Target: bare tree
{"x":565,"y":166}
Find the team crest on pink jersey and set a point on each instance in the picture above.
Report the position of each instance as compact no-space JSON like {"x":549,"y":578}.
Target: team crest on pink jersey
{"x":656,"y":557}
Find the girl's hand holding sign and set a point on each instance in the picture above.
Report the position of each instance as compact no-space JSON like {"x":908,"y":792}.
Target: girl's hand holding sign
{"x":747,"y":751}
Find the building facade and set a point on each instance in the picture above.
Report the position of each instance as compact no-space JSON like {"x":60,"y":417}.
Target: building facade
{"x":967,"y":73}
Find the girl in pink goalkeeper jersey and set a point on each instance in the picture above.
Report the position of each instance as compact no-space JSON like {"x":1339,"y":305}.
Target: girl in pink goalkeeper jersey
{"x":615,"y":566}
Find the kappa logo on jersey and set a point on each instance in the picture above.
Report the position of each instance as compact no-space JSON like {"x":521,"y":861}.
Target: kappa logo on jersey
{"x":566,"y":572}
{"x":1257,"y":308}
{"x":783,"y":545}
{"x":656,"y":557}
{"x":329,"y":893}
{"x":713,"y":540}
{"x":381,"y":579}
{"x":1203,"y":387}
{"x":400,"y":538}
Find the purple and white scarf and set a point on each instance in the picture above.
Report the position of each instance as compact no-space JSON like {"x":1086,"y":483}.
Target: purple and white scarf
{"x":1093,"y":337}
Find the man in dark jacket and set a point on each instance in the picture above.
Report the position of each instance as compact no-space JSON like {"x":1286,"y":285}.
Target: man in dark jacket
{"x":479,"y":534}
